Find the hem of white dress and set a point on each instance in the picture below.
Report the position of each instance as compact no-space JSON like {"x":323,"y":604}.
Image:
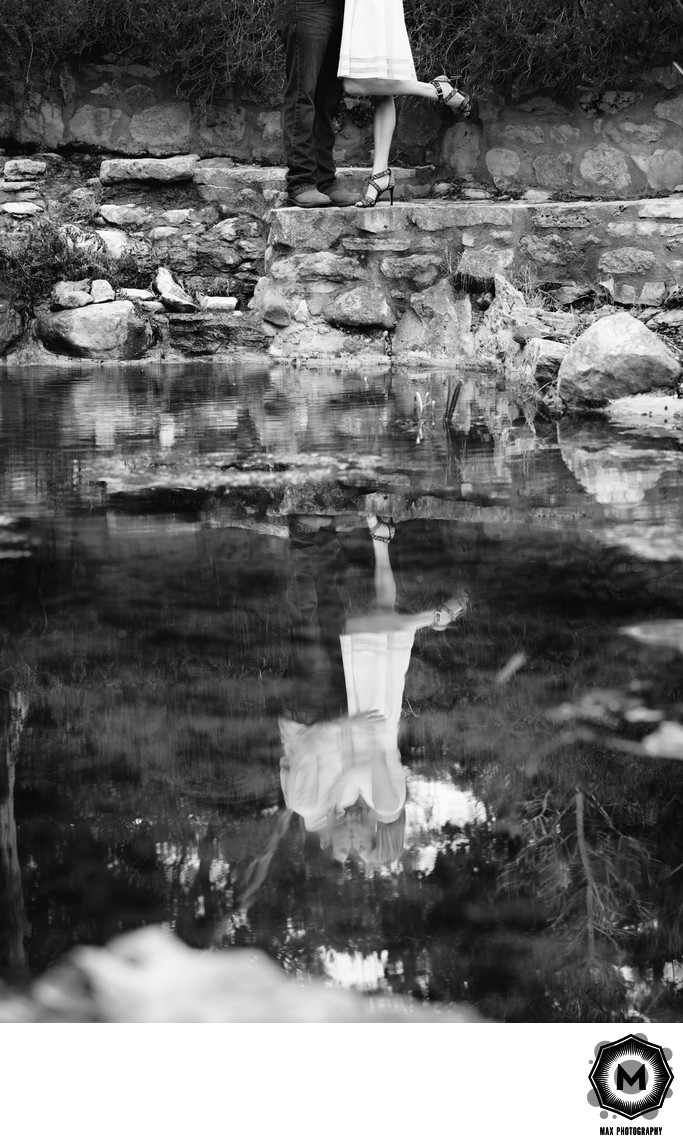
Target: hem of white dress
{"x":376,"y":68}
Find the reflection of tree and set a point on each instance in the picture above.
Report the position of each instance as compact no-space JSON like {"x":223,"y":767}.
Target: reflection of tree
{"x":15,"y":926}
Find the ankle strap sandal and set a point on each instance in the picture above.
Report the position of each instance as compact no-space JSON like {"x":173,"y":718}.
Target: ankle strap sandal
{"x":464,"y":109}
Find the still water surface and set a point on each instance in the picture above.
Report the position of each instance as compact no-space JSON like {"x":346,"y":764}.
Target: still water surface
{"x":171,"y":624}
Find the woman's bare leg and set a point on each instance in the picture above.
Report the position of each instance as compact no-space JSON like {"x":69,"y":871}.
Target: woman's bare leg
{"x":383,"y":128}
{"x":385,"y":87}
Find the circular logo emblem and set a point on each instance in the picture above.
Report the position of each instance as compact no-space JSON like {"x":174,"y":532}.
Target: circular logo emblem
{"x":631,"y":1077}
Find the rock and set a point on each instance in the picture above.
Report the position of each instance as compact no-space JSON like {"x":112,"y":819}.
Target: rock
{"x":361,"y":307}
{"x":205,"y":334}
{"x":606,"y":167}
{"x":70,"y":296}
{"x":162,"y":129}
{"x":671,"y":109}
{"x":154,"y":306}
{"x":172,"y":294}
{"x":16,"y":187}
{"x":110,"y":331}
{"x":102,"y":291}
{"x":421,"y":269}
{"x":503,"y":166}
{"x":22,"y":209}
{"x":150,"y":976}
{"x":437,"y":324}
{"x":116,"y":242}
{"x":528,"y":323}
{"x":160,"y":233}
{"x":307,"y":230}
{"x":217,"y":304}
{"x":627,"y":260}
{"x":666,"y":318}
{"x":179,"y":168}
{"x":135,"y":216}
{"x":460,"y":148}
{"x":271,"y":304}
{"x":101,"y":128}
{"x":553,"y":171}
{"x":494,"y":336}
{"x":11,"y":324}
{"x":652,"y":294}
{"x":542,"y":358}
{"x":615,"y":357}
{"x":16,"y":169}
{"x":483,"y":264}
{"x":134,"y":295}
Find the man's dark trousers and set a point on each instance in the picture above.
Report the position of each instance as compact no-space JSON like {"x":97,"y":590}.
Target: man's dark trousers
{"x":311,"y":34}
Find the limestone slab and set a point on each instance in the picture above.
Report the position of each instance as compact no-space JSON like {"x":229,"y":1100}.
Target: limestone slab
{"x":179,"y":168}
{"x":16,"y":170}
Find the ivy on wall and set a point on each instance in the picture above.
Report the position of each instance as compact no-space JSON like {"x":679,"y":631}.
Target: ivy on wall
{"x":505,"y":46}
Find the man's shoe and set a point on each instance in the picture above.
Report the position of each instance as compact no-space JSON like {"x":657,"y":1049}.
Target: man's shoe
{"x":308,"y":197}
{"x":340,"y":197}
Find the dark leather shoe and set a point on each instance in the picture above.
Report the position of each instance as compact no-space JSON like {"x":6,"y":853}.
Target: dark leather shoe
{"x":308,"y":197}
{"x":340,"y":197}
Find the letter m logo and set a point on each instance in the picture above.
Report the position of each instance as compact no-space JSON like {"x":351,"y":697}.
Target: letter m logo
{"x":627,"y":1080}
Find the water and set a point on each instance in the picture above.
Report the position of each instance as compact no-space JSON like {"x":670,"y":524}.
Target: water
{"x":150,"y":651}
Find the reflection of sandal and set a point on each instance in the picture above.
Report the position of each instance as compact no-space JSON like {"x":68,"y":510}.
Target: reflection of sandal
{"x":378,"y":525}
{"x":450,"y":611}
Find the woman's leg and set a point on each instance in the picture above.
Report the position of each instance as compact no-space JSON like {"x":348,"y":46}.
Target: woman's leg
{"x":384,"y":126}
{"x":383,"y":130}
{"x":385,"y":87}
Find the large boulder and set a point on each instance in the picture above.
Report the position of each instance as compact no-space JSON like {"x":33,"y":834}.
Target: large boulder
{"x":106,"y":331}
{"x":615,"y":357}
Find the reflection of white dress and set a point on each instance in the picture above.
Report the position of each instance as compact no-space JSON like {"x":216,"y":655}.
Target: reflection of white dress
{"x":375,"y":42}
{"x":328,"y":765}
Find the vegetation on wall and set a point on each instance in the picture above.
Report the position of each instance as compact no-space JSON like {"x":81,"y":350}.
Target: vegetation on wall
{"x":504,"y":45}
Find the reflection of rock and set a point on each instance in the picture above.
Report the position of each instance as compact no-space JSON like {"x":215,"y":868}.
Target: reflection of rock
{"x":149,"y":976}
{"x":616,"y":356}
{"x":102,"y":331}
{"x":613,"y":470}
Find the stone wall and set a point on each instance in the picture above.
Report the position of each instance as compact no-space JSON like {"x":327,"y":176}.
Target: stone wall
{"x":395,"y":279}
{"x":617,"y":144}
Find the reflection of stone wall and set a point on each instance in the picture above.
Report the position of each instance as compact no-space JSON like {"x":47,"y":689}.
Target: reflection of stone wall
{"x":621,"y":144}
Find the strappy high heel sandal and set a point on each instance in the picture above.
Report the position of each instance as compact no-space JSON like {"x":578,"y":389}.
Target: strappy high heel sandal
{"x":382,"y":530}
{"x":463,"y":109}
{"x":367,"y":201}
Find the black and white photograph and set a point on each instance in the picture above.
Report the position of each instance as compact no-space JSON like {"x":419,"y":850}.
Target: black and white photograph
{"x":341,"y":551}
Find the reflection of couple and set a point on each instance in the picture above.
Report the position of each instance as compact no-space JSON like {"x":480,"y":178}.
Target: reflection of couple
{"x":360,"y":47}
{"x":343,"y":774}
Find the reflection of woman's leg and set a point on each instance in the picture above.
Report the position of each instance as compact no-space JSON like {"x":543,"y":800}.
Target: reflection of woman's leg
{"x":384,"y":582}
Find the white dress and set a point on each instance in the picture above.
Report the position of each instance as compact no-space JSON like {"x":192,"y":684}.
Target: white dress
{"x":326,"y":766}
{"x":375,"y":42}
